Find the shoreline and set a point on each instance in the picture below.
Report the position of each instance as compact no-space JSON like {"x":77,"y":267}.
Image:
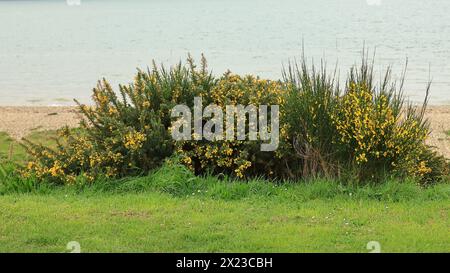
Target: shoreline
{"x":19,"y":121}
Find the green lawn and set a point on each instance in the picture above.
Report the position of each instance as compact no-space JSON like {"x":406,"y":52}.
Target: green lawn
{"x":171,"y":210}
{"x":158,"y":222}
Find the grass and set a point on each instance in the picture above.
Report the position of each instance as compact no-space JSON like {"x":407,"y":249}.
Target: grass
{"x":11,"y":150}
{"x":447,"y":133}
{"x":171,"y":210}
{"x":227,"y":218}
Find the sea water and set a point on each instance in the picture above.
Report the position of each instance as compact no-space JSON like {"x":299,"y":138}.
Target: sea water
{"x":54,"y":51}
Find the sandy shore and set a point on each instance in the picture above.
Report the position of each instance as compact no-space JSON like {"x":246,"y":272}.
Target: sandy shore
{"x":439,"y":117}
{"x":20,"y":121}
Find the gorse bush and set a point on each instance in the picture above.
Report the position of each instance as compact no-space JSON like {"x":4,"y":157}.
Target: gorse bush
{"x":363,"y":132}
{"x":121,"y":134}
{"x":375,"y":133}
{"x":237,"y":157}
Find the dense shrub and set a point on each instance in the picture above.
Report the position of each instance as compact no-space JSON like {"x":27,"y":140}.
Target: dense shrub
{"x":361,"y":132}
{"x":238,"y":157}
{"x":121,"y":134}
{"x":312,"y":100}
{"x":377,"y":131}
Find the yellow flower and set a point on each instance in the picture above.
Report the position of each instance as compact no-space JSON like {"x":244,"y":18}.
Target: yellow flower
{"x":112,"y":110}
{"x":55,"y":169}
{"x":30,"y":165}
{"x":187,"y":160}
{"x":134,"y":140}
{"x":423,"y":169}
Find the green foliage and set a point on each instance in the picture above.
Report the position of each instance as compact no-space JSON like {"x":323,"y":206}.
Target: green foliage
{"x":175,"y":179}
{"x":12,"y":154}
{"x":438,"y":167}
{"x":125,"y":134}
{"x":364,"y":132}
{"x":311,"y":102}
{"x":375,"y":129}
{"x":12,"y":150}
{"x":10,"y":182}
{"x":240,"y":158}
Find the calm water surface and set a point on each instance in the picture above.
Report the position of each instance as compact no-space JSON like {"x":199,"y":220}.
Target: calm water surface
{"x":51,"y":52}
